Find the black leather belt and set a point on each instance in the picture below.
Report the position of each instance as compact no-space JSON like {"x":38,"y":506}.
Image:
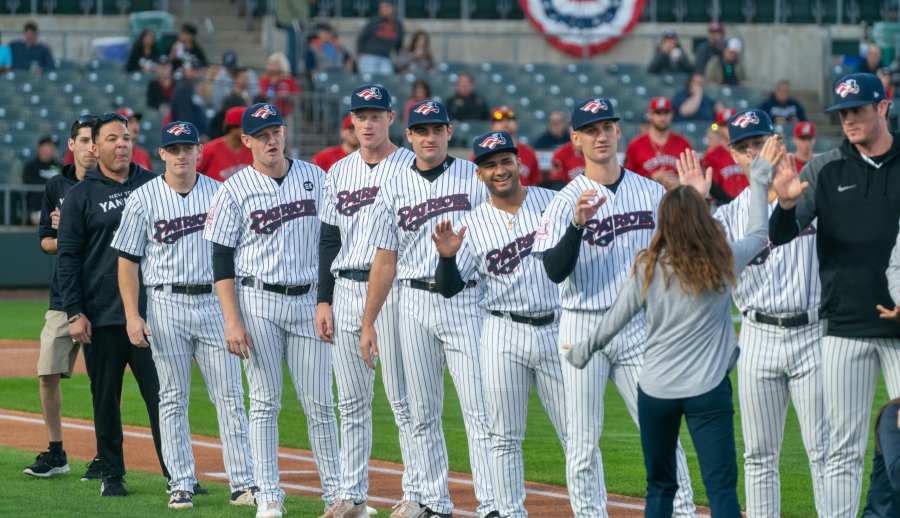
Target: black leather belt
{"x":187,"y":289}
{"x":542,"y":320}
{"x":291,"y":291}
{"x":431,"y":286}
{"x":354,"y":275}
{"x":796,"y":320}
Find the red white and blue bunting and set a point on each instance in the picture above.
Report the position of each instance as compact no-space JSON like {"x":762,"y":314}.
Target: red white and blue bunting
{"x":583,"y":27}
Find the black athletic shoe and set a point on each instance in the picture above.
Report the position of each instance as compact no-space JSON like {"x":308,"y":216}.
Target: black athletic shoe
{"x":200,"y":490}
{"x":430,"y":514}
{"x":493,"y":514}
{"x":94,"y":470}
{"x":48,"y":465}
{"x":113,"y":486}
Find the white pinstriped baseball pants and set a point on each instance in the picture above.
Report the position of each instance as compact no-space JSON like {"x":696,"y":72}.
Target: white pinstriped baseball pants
{"x":777,"y":365}
{"x":282,"y":328}
{"x":435,"y":331}
{"x":850,"y":369}
{"x":620,"y":361}
{"x":513,"y":358}
{"x":184,"y":328}
{"x":355,"y":382}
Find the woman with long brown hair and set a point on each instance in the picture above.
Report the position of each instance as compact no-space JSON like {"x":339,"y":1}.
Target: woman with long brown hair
{"x":683,"y":282}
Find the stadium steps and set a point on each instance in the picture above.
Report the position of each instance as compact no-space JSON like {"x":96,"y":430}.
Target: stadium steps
{"x":229,"y":32}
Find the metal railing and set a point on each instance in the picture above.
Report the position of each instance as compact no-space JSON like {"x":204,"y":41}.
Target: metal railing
{"x":14,"y":198}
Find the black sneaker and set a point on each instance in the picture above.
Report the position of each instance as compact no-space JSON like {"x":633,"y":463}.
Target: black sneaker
{"x":200,"y":490}
{"x":181,"y":500}
{"x":48,"y":465}
{"x":113,"y":486}
{"x":493,"y":514}
{"x":434,"y":514}
{"x":94,"y":470}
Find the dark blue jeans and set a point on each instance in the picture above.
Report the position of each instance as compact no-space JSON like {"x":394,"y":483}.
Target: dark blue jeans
{"x":710,"y":419}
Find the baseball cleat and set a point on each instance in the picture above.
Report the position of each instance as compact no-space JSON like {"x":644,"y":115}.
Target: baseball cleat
{"x":269,"y":510}
{"x":181,"y":500}
{"x":407,"y":509}
{"x":245,"y":497}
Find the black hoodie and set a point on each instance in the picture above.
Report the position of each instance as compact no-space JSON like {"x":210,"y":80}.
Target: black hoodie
{"x":54,"y":193}
{"x":857,"y":205}
{"x":87,"y":264}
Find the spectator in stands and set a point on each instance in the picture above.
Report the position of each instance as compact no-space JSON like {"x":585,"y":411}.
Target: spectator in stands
{"x":556,"y":134}
{"x":503,"y":118}
{"x":416,"y":58}
{"x":145,"y":54}
{"x":727,"y":69}
{"x":37,"y":171}
{"x":712,"y":47}
{"x":872,"y":63}
{"x":277,"y":84}
{"x":804,"y":142}
{"x":5,"y":58}
{"x":226,"y":78}
{"x":186,"y":49}
{"x":186,"y":104}
{"x":224,"y":156}
{"x":349,"y":143}
{"x":728,"y":177}
{"x":692,"y":103}
{"x":239,"y":96}
{"x":567,"y":163}
{"x":161,"y":90}
{"x":655,"y":153}
{"x":139,"y":155}
{"x":324,"y":52}
{"x":28,"y":53}
{"x":781,"y":107}
{"x":381,"y":36}
{"x":421,"y":90}
{"x":465,"y":104}
{"x":669,"y":57}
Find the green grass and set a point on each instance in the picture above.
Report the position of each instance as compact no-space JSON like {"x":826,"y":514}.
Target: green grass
{"x":22,"y":319}
{"x":66,"y":496}
{"x":544,"y":461}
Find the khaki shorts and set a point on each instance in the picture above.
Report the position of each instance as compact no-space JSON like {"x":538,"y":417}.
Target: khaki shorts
{"x":58,"y":351}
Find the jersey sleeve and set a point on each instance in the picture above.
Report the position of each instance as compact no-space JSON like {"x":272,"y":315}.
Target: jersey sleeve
{"x":131,"y":237}
{"x":553,"y":225}
{"x":383,"y":232}
{"x":329,"y":214}
{"x":223,"y":221}
{"x":727,"y":217}
{"x":466,"y":259}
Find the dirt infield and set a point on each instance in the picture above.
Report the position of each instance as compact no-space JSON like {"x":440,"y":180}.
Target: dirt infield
{"x":18,"y":358}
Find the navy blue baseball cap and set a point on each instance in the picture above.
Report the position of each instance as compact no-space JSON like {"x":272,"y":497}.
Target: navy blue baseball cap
{"x":749,"y":123}
{"x":429,"y":111}
{"x":371,"y":96}
{"x":855,"y":90}
{"x":589,"y":111}
{"x":260,"y":116}
{"x":488,"y":144}
{"x":179,"y":132}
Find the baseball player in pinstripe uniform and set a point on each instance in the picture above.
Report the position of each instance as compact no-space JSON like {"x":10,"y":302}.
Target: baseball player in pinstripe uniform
{"x":345,"y":257}
{"x":588,"y":239}
{"x":778,"y":295}
{"x":433,"y":331}
{"x":521,"y":328}
{"x":160,"y":235}
{"x":263,"y":223}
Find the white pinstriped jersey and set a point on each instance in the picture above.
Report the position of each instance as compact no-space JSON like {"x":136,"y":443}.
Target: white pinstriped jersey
{"x":408,"y":207}
{"x":622,"y":227}
{"x":351,"y":187}
{"x":165,"y":230}
{"x":780,"y":280}
{"x":274,"y":228}
{"x":497,"y":246}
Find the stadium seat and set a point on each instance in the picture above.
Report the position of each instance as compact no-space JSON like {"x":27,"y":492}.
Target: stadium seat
{"x":158,"y":21}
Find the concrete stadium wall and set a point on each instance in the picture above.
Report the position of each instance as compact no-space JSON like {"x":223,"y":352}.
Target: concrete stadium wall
{"x":24,"y":264}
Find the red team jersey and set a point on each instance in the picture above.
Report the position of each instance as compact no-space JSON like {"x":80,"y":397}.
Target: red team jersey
{"x":328,"y":156}
{"x":798,"y":163}
{"x":220,"y":162}
{"x":645,"y":157}
{"x":565,"y":164}
{"x":726,"y":174}
{"x":529,"y":170}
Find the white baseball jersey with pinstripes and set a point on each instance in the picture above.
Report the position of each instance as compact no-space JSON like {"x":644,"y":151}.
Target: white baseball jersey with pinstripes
{"x":498,"y":245}
{"x":274,"y":228}
{"x":408,"y":207}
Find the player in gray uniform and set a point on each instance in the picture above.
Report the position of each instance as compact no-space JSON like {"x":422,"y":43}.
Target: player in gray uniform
{"x":264,"y":226}
{"x":521,"y":325}
{"x":778,"y":295}
{"x":591,"y":233}
{"x":433,"y":331}
{"x":345,"y":257}
{"x":159,"y":237}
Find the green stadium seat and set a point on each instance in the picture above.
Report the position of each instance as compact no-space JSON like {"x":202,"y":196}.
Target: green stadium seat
{"x":158,"y":21}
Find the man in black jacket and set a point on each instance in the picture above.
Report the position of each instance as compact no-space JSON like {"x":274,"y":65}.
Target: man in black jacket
{"x":854,"y":191}
{"x":87,"y":281}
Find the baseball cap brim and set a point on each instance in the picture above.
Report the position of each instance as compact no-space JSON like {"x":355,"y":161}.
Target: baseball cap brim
{"x":422,"y":122}
{"x":179,"y":141}
{"x":613,"y":118}
{"x":489,"y":154}
{"x":751,"y":134}
{"x":266,"y":125}
{"x":855,"y":103}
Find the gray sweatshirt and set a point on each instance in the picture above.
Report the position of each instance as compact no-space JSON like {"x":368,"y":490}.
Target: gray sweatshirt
{"x":893,"y":273}
{"x":690,"y":339}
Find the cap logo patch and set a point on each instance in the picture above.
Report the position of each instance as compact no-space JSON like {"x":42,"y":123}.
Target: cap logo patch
{"x":594,"y":106}
{"x":369,"y":93}
{"x":745,"y":120}
{"x":492,"y":141}
{"x":179,"y":129}
{"x":264,"y":112}
{"x":427,"y":108}
{"x":847,"y":87}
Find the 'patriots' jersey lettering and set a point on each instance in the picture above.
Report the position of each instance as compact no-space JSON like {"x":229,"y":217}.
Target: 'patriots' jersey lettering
{"x":268,"y":221}
{"x":411,"y":218}
{"x":170,"y":231}
{"x":350,"y":202}
{"x":602,"y":232}
{"x":505,"y":260}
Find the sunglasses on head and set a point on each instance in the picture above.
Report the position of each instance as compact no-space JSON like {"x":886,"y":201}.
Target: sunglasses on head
{"x":112,"y":116}
{"x":86,"y":119}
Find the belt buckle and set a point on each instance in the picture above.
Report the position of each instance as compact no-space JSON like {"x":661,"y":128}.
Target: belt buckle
{"x":781,"y":321}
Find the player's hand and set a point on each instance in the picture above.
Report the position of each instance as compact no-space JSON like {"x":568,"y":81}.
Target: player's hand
{"x":137,"y":331}
{"x":237,"y":339}
{"x":325,"y":322}
{"x":368,"y":345}
{"x":586,"y":208}
{"x":666,"y":177}
{"x":691,"y":173}
{"x":787,"y":184}
{"x":888,"y":314}
{"x":80,"y":330}
{"x":446,"y":240}
{"x":54,"y":218}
